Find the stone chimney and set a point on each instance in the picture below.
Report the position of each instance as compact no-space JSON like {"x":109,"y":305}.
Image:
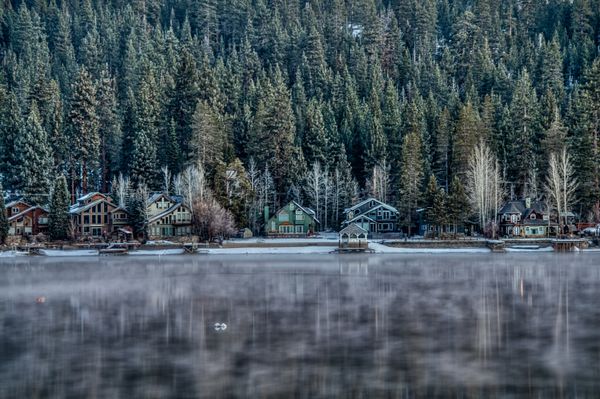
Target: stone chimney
{"x":528,"y":202}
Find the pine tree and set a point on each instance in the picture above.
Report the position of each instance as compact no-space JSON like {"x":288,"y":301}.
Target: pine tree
{"x":466,"y":136}
{"x":183,"y":100}
{"x":411,"y":177}
{"x":109,"y":129}
{"x":11,"y":126}
{"x":315,"y":139}
{"x":3,"y":219}
{"x":83,"y":124}
{"x":138,"y":213}
{"x":525,"y":132}
{"x":58,"y":217}
{"x":209,"y":136}
{"x":34,"y":160}
{"x":275,"y":124}
{"x":458,"y":207}
{"x":144,"y":167}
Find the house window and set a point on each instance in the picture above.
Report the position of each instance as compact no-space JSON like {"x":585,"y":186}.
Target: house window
{"x":15,"y":211}
{"x":284,"y":217}
{"x":86,"y":219}
{"x":299,"y":215}
{"x":42,"y":220}
{"x":273,"y":225}
{"x":286,"y":229}
{"x":386,"y":215}
{"x":96,"y":231}
{"x":532,"y":216}
{"x":299,"y":229}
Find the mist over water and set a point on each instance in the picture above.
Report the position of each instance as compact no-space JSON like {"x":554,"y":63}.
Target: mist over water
{"x":401,"y":326}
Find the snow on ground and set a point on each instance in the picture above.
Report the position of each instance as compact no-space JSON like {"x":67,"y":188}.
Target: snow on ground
{"x":12,"y":254}
{"x":381,"y":248}
{"x":516,"y":249}
{"x":72,"y":252}
{"x":157,"y":252}
{"x":377,"y":247}
{"x":279,"y":250}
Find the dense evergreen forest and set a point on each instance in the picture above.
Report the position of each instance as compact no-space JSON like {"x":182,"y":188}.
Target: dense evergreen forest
{"x":261,"y":101}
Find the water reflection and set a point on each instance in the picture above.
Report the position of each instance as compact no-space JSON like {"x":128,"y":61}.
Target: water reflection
{"x":323,"y":326}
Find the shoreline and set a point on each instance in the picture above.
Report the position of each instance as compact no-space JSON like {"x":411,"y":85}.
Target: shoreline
{"x":296,"y":247}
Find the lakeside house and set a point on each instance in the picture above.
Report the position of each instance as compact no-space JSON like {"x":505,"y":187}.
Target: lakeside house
{"x":25,"y":219}
{"x":531,"y":219}
{"x":293,"y":220}
{"x":373,"y":215}
{"x":91,"y":215}
{"x":168,"y":216}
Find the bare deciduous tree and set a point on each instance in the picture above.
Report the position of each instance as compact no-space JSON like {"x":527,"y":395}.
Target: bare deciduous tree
{"x":379,"y":183}
{"x":166,"y":175}
{"x":121,"y":188}
{"x":484,"y":185}
{"x":561,"y":184}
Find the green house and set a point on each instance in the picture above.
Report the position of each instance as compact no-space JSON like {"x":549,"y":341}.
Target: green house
{"x":293,"y":220}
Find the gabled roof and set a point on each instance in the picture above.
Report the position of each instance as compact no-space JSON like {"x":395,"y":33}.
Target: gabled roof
{"x":512,"y":207}
{"x":15,"y":202}
{"x":25,"y":212}
{"x":90,"y":195}
{"x":361,"y":216}
{"x":156,"y":196}
{"x":369,"y":200}
{"x":308,"y":211}
{"x":78,"y":209}
{"x":165,"y":213}
{"x":353,"y":229}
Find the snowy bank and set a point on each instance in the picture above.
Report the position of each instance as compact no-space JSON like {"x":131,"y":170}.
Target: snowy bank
{"x":384,"y":249}
{"x":157,"y":252}
{"x":69,"y":253}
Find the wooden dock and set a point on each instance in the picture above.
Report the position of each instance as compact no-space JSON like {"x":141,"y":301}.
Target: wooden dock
{"x":568,"y":245}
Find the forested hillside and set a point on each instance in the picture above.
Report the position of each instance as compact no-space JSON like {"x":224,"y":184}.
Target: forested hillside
{"x":326,"y":101}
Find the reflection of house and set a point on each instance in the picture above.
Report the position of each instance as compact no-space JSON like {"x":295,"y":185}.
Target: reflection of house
{"x":91,"y":215}
{"x":24,"y":219}
{"x":168,"y":216}
{"x":353,"y":236}
{"x":373,"y":216}
{"x":526,"y":218}
{"x":293,"y":220}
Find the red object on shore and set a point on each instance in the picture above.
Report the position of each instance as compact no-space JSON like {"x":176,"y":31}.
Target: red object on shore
{"x":40,"y":299}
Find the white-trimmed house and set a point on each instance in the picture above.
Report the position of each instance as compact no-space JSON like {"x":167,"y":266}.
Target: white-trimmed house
{"x":25,"y":219}
{"x":292,"y":220}
{"x":168,"y":217}
{"x":373,"y":215}
{"x":91,"y":215}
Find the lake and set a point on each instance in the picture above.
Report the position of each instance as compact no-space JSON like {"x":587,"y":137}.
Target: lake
{"x":301,"y":326}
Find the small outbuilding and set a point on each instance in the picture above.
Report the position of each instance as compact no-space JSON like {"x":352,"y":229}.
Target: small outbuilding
{"x":353,"y":237}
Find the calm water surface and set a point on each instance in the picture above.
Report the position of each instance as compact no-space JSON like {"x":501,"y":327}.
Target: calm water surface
{"x":379,"y":326}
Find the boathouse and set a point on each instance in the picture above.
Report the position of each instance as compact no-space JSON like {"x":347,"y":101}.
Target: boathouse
{"x":353,"y":237}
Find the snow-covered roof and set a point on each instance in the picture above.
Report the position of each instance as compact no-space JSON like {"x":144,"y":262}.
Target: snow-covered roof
{"x":353,"y":229}
{"x":15,"y":202}
{"x":26,"y":211}
{"x":156,"y":196}
{"x":78,"y":209}
{"x":165,"y":213}
{"x":90,"y":195}
{"x":363,"y":216}
{"x":307,"y":211}
{"x":369,"y":200}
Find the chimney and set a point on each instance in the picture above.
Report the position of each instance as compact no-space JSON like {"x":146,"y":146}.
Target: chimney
{"x":527,"y":202}
{"x":266,"y":214}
